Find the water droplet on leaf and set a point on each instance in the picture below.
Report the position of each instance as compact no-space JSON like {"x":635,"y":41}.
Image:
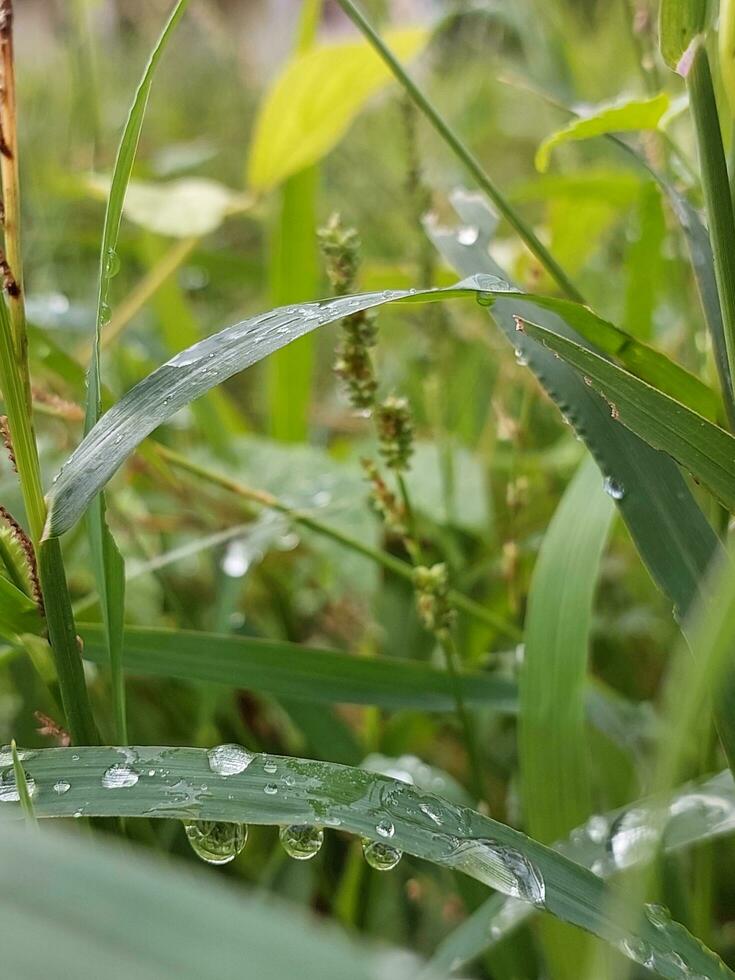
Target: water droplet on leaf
{"x":8,"y":788}
{"x":112,"y":263}
{"x":468,"y":235}
{"x":119,"y":776}
{"x":380,"y":856}
{"x":385,"y":828}
{"x":613,"y":489}
{"x":61,"y":786}
{"x":216,"y":842}
{"x":301,"y":842}
{"x":229,"y":760}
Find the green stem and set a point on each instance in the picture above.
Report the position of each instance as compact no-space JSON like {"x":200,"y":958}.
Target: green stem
{"x":716,"y":188}
{"x":391,"y":564}
{"x":463,"y":153}
{"x":451,"y":658}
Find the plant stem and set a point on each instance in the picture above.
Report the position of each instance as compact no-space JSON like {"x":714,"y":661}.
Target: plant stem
{"x":463,"y":153}
{"x":716,"y":188}
{"x":16,"y":388}
{"x":391,"y":564}
{"x":451,"y":658}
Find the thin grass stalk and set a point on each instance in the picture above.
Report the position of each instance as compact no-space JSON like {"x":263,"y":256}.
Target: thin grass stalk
{"x":716,"y":188}
{"x":391,"y":564}
{"x":15,"y":384}
{"x":464,"y":154}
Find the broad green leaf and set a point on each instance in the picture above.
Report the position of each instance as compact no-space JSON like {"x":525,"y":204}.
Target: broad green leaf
{"x":554,"y":759}
{"x":671,"y":533}
{"x":680,"y":21}
{"x":107,"y":561}
{"x":694,"y":814}
{"x":167,"y":783}
{"x":617,"y":117}
{"x":177,"y":208}
{"x":313,"y":102}
{"x":120,"y":913}
{"x":199,"y":368}
{"x":289,"y":670}
{"x":706,"y":450}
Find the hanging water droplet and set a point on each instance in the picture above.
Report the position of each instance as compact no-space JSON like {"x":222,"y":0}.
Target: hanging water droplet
{"x":484,"y":298}
{"x":270,"y":789}
{"x":112,"y":263}
{"x":300,"y":841}
{"x":382,"y":857}
{"x":216,"y":842}
{"x":468,"y":235}
{"x":229,"y":760}
{"x":521,"y":358}
{"x":61,"y":786}
{"x":385,"y":828}
{"x":8,"y":788}
{"x":119,"y":776}
{"x":613,"y":489}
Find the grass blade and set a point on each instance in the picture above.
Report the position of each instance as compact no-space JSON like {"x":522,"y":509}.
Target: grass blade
{"x":21,"y":784}
{"x":671,"y":533}
{"x":107,"y":561}
{"x":357,"y":801}
{"x":203,"y":928}
{"x":706,"y":450}
{"x":290,"y":670}
{"x":553,"y":749}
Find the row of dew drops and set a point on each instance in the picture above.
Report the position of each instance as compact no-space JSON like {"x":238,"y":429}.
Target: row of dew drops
{"x":217,"y":842}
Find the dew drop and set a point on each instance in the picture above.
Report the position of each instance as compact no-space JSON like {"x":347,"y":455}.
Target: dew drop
{"x":468,"y":235}
{"x":633,"y":838}
{"x":61,"y":786}
{"x":216,"y":842}
{"x":484,"y":298}
{"x":380,"y":856}
{"x":613,"y":489}
{"x":597,"y":828}
{"x":270,"y":766}
{"x":502,"y":867}
{"x":229,"y":760}
{"x":428,"y":810}
{"x":119,"y":776}
{"x":270,"y":789}
{"x":301,"y":842}
{"x":112,"y":263}
{"x":105,"y":313}
{"x":8,"y":788}
{"x":385,"y":828}
{"x":658,"y":915}
{"x":521,"y":358}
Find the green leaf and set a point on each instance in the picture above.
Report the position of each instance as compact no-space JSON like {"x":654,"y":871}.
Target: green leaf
{"x":167,"y":783}
{"x":107,"y":562}
{"x":313,"y":102}
{"x":177,"y":208}
{"x":679,"y":22}
{"x":695,"y":813}
{"x":617,"y":117}
{"x":98,"y":915}
{"x":670,"y":531}
{"x":217,"y":358}
{"x":18,"y":612}
{"x":645,"y":265}
{"x":706,"y":450}
{"x":289,"y":670}
{"x":554,"y":760}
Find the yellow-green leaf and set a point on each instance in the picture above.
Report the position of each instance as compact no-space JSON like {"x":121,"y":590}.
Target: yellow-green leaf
{"x":679,"y":23}
{"x":313,"y":101}
{"x":618,"y":117}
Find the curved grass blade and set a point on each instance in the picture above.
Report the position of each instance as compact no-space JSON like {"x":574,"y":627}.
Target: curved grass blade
{"x":109,"y":568}
{"x":706,"y":450}
{"x":215,"y":359}
{"x":180,"y":783}
{"x":99,"y":912}
{"x":290,"y":670}
{"x":670,"y":531}
{"x":696,"y":813}
{"x":554,"y":761}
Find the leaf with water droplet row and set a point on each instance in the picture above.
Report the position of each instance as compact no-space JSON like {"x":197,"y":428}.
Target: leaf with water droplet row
{"x":701,"y":447}
{"x":606,"y":843}
{"x":183,"y":783}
